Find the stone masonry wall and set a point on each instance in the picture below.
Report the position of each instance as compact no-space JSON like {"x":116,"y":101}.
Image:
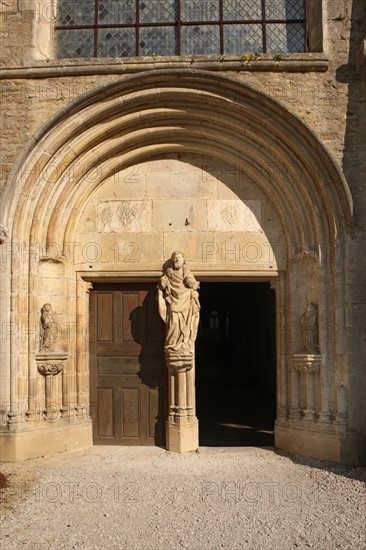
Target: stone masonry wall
{"x":330,"y":103}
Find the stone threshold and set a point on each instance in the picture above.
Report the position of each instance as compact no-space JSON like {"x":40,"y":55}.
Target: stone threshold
{"x":291,"y":63}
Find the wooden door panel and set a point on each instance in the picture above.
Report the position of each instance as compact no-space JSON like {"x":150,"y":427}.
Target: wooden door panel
{"x":155,"y":410}
{"x":104,"y":322}
{"x":131,"y":404}
{"x":105,"y":403}
{"x":127,"y":378}
{"x":130,"y":321}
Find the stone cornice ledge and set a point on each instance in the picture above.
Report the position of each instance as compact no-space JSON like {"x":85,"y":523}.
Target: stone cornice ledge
{"x":293,"y":63}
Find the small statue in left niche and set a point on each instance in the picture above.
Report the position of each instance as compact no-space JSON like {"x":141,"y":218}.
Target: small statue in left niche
{"x":49,"y":329}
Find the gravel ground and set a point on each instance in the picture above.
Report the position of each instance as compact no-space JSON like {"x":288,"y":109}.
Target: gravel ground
{"x":146,"y":498}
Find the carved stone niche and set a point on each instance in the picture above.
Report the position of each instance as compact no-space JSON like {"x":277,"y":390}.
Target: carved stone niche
{"x":307,"y":367}
{"x":49,"y":365}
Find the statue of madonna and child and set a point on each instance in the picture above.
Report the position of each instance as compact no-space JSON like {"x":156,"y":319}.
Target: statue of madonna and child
{"x":179,"y":308}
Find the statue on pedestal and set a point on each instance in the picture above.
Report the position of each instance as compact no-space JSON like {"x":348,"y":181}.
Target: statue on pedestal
{"x":179,"y":308}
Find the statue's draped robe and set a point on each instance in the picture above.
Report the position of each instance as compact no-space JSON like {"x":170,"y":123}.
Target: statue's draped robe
{"x":309,"y":329}
{"x":179,"y":308}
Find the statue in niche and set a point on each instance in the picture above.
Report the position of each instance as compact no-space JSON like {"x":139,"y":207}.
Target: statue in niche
{"x":179,"y":305}
{"x":49,"y":330}
{"x":309,"y":328}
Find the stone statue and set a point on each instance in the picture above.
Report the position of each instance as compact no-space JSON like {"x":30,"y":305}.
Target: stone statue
{"x":179,"y":305}
{"x":4,"y":233}
{"x":49,"y":330}
{"x":309,"y":329}
{"x":179,"y":308}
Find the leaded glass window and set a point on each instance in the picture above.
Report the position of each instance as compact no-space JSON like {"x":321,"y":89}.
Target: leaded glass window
{"x":126,"y":28}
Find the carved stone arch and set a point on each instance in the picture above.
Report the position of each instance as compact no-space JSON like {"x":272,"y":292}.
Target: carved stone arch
{"x":186,"y":111}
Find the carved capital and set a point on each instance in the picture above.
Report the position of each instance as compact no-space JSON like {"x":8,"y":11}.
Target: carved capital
{"x":179,"y":361}
{"x":305,"y":254}
{"x":303,"y":362}
{"x":53,"y":258}
{"x":46,"y":369}
{"x":50,"y":364}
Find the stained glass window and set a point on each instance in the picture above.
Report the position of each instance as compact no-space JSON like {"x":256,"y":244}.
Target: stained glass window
{"x":127,"y":28}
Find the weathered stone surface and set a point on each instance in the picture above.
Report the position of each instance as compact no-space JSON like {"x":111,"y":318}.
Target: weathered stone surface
{"x":229,"y":215}
{"x":119,"y":216}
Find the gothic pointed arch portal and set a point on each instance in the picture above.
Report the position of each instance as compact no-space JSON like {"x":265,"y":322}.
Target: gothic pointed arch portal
{"x":179,"y":160}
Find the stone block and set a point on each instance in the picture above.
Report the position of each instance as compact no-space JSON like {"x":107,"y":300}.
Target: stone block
{"x":126,"y":184}
{"x":126,"y":215}
{"x":118,"y":250}
{"x":173,"y":185}
{"x":318,"y":444}
{"x":180,"y":215}
{"x":44,"y":442}
{"x":234,"y":215}
{"x":182,"y":439}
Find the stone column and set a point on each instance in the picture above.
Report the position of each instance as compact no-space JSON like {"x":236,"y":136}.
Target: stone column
{"x":309,"y":365}
{"x":82,"y":348}
{"x":49,"y":365}
{"x":309,"y":412}
{"x":294,"y":407}
{"x":182,"y":424}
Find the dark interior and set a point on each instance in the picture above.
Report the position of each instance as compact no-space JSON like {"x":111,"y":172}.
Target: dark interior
{"x":236,"y":365}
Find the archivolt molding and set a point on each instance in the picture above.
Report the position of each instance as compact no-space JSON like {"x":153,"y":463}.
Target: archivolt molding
{"x":190,"y":111}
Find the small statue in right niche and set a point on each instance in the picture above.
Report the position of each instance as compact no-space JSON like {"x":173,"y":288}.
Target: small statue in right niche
{"x":309,"y":329}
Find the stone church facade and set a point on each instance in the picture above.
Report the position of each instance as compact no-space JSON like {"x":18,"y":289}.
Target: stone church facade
{"x":252,"y":164}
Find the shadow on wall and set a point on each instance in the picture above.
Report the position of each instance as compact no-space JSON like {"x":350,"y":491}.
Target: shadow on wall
{"x":354,"y":158}
{"x":147,"y":329}
{"x":353,"y":73}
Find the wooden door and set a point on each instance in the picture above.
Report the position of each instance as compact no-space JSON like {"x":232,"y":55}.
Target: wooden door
{"x":127,"y":379}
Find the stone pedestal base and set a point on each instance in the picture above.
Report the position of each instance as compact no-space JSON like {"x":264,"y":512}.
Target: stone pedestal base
{"x":342,"y":446}
{"x":45,"y":442}
{"x":182,"y":435}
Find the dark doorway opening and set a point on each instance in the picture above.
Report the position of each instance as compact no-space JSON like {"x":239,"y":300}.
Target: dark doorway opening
{"x":236,"y":364}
